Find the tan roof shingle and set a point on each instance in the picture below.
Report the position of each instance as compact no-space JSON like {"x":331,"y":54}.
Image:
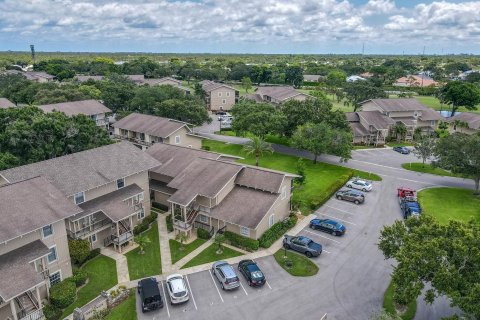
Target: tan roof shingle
{"x":86,"y":107}
{"x":152,"y":125}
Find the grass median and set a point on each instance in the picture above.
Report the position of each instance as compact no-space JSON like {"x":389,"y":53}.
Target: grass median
{"x":404,"y":312}
{"x":427,"y":168}
{"x":148,"y":263}
{"x":177,"y":251}
{"x":301,"y":266}
{"x":210,"y":255}
{"x":124,"y":311}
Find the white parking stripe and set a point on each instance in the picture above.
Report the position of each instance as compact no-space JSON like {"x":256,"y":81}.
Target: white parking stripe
{"x":165,"y":299}
{"x":215,"y":284}
{"x":326,"y":215}
{"x":241,"y":285}
{"x":319,"y":235}
{"x":191,"y":292}
{"x":268,"y":284}
{"x":338,"y":209}
{"x":326,"y":251}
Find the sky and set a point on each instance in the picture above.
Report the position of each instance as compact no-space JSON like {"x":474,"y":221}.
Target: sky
{"x":242,"y":26}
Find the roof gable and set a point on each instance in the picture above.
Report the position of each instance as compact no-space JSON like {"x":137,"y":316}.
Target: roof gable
{"x":148,"y":124}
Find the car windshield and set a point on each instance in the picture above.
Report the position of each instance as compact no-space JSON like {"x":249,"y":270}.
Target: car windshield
{"x":311,"y":244}
{"x":179,"y":294}
{"x":257,"y":274}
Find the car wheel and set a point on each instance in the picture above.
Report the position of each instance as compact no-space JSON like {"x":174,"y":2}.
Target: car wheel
{"x":286,"y":246}
{"x":364,"y":190}
{"x":223,"y":288}
{"x":339,"y":198}
{"x":334,"y":233}
{"x":356,"y":202}
{"x":308,"y":254}
{"x":349,"y":185}
{"x":250,"y":283}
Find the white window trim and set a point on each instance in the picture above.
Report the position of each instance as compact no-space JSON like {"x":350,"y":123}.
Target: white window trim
{"x":75,"y":197}
{"x":271,"y":220}
{"x":203,"y":216}
{"x":284,"y":192}
{"x":116,"y":182}
{"x":227,"y":94}
{"x":224,"y":101}
{"x":141,"y":214}
{"x":56,"y":254}
{"x":43,"y":234}
{"x":246,"y":234}
{"x":219,"y":94}
{"x":59,"y":271}
{"x":179,"y":141}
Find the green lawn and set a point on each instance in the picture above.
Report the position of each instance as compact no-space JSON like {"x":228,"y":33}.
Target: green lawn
{"x":102,"y":275}
{"x":149,"y":263}
{"x":210,"y":255}
{"x":389,"y":305}
{"x":319,"y":177}
{"x":301,"y":265}
{"x":427,"y":168}
{"x":178,"y":253}
{"x":124,"y":311}
{"x":450,"y":203}
{"x":399,"y":144}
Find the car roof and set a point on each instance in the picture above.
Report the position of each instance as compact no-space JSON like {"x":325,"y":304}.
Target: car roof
{"x":150,"y":287}
{"x":177,"y":285}
{"x":227,"y":270}
{"x":304,"y":239}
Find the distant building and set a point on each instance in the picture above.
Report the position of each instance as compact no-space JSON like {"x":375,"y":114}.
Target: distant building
{"x":167,"y":81}
{"x":311,"y":77}
{"x":369,"y":127}
{"x":36,"y":76}
{"x":465,"y":122}
{"x":219,"y":96}
{"x":278,"y":94}
{"x":90,"y":108}
{"x":5,"y":103}
{"x":137,"y":78}
{"x":416,"y":81}
{"x":354,"y":78}
{"x":366,"y":75}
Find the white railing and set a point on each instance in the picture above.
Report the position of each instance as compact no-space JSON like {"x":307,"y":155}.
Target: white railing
{"x":34,"y":315}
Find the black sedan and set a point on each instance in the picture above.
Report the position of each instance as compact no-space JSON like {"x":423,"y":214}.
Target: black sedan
{"x":402,"y":150}
{"x":329,"y":226}
{"x":252,"y":273}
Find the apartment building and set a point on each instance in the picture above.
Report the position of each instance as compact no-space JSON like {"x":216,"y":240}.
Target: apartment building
{"x":277,"y":94}
{"x":465,"y":122}
{"x":206,"y":190}
{"x":219,"y":96}
{"x":91,"y":108}
{"x":144,"y":130}
{"x":369,"y":127}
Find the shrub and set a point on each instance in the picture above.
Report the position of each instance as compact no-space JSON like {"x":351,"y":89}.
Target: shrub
{"x":79,"y":277}
{"x":169,"y":221}
{"x":150,"y":218}
{"x":276,"y":231}
{"x":240,"y":241}
{"x":207,"y":148}
{"x":143,"y":226}
{"x":63,"y":293}
{"x":79,"y":250}
{"x":51,"y":312}
{"x":93,"y":254}
{"x":203,"y":234}
{"x":159,"y":206}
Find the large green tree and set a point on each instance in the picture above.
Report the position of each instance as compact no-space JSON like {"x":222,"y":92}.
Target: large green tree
{"x":294,"y":76}
{"x":460,"y":94}
{"x":424,"y":147}
{"x":184,"y":110}
{"x":257,"y":118}
{"x":321,"y":138}
{"x":460,"y":153}
{"x":445,"y":257}
{"x":359,"y":91}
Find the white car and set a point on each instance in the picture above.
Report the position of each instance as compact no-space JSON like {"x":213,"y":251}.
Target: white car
{"x":359,"y":184}
{"x":224,"y":116}
{"x":177,"y":289}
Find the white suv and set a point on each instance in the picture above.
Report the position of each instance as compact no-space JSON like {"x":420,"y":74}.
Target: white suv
{"x":359,"y":184}
{"x":177,"y":289}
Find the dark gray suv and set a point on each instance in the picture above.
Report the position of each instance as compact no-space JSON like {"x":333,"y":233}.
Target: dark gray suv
{"x":350,"y":195}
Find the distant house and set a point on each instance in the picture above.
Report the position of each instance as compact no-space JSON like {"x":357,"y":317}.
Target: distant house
{"x":410,"y":112}
{"x":369,"y":127}
{"x":366,"y":75}
{"x":465,"y":122}
{"x":311,"y":77}
{"x":219,"y":96}
{"x":204,"y":191}
{"x":137,"y":78}
{"x":5,"y":103}
{"x":354,"y":78}
{"x":90,"y":108}
{"x":278,"y":94}
{"x":168,"y":81}
{"x":416,"y":81}
{"x":36,"y":76}
{"x":145,"y":130}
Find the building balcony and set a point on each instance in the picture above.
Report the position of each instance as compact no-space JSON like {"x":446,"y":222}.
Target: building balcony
{"x":89,"y":229}
{"x":134,"y":140}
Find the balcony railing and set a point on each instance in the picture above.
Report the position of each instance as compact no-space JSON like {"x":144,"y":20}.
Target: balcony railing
{"x":90,"y":228}
{"x":134,"y":140}
{"x":34,"y":315}
{"x":123,"y":238}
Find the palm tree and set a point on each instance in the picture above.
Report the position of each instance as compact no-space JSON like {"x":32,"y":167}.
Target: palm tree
{"x":182,"y":238}
{"x":219,"y":240}
{"x":142,"y":242}
{"x":257,"y":147}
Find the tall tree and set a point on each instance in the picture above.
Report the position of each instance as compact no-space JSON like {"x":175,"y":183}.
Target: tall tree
{"x":246,"y":84}
{"x":258,"y":148}
{"x":460,"y":154}
{"x":400,"y":131}
{"x":359,"y":91}
{"x":424,"y":148}
{"x":257,"y":118}
{"x":321,"y":138}
{"x":446,"y":257}
{"x":294,"y":76}
{"x":460,"y":94}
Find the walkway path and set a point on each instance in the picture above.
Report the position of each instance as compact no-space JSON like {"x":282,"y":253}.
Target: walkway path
{"x":191,"y":255}
{"x":122,"y":265}
{"x":164,"y":243}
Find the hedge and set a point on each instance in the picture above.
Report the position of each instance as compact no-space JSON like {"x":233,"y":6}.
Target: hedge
{"x":51,"y":312}
{"x":169,"y":221}
{"x":240,"y":241}
{"x":324,"y":196}
{"x":203,"y":234}
{"x":79,"y":250}
{"x":63,"y":293}
{"x":93,"y":254}
{"x":79,"y":277}
{"x":143,"y":226}
{"x":276,"y":231}
{"x":159,"y":206}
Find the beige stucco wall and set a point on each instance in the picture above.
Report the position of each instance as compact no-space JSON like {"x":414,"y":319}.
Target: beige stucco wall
{"x":402,"y":114}
{"x":185,"y":140}
{"x":161,"y":198}
{"x":218,"y":95}
{"x":225,"y":191}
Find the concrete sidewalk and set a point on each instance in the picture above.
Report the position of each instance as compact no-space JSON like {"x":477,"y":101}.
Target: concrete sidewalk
{"x":164,"y":243}
{"x":192,"y":254}
{"x":122,"y":265}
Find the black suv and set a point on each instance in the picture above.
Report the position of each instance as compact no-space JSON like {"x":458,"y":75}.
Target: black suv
{"x":149,"y":294}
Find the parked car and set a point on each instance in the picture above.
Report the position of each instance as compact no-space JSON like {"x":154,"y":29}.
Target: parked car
{"x":149,"y":292}
{"x":329,"y":226}
{"x":252,"y":273}
{"x":303,"y":245}
{"x":222,"y":115}
{"x":226,"y":275}
{"x":401,"y":149}
{"x":360,"y":185}
{"x":177,"y":289}
{"x":350,"y":195}
{"x":410,"y":208}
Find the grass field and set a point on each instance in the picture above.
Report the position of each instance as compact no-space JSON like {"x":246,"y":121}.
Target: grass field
{"x":301,"y":265}
{"x":210,"y":255}
{"x":102,"y":275}
{"x":389,"y":305}
{"x":149,"y":263}
{"x":427,"y":168}
{"x":178,"y":253}
{"x":450,"y":203}
{"x":319,"y":177}
{"x":124,"y":311}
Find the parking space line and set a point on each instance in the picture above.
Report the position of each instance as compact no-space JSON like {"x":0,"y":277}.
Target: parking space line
{"x":215,"y":284}
{"x":268,"y":284}
{"x":191,"y":292}
{"x":241,"y":285}
{"x":339,"y":209}
{"x":326,"y":215}
{"x":319,"y":235}
{"x":165,"y":300}
{"x":323,"y":250}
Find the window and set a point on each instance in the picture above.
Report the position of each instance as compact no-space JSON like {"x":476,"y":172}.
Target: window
{"x":284,"y":192}
{"x":271,"y":220}
{"x":203,"y":218}
{"x":52,"y":256}
{"x":47,"y":231}
{"x":120,"y":183}
{"x":224,"y":101}
{"x":177,"y":139}
{"x":93,"y":238}
{"x":79,"y":197}
{"x":228,"y":94}
{"x":244,"y":231}
{"x":219,"y":94}
{"x":55,"y":278}
{"x":141,"y":214}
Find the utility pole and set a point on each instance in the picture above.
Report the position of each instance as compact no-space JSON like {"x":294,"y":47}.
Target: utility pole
{"x":32,"y":48}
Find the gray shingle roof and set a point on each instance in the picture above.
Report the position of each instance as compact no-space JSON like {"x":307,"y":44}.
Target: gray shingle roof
{"x":30,"y":205}
{"x":5,"y":103}
{"x":352,"y":116}
{"x":376,"y":119}
{"x":152,"y":125}
{"x":472,"y":119}
{"x":358,"y":130}
{"x":278,"y":92}
{"x":260,"y":179}
{"x":18,"y":275}
{"x":244,"y":206}
{"x":429,"y":114}
{"x":86,"y":107}
{"x":87,"y":169}
{"x":398,"y":104}
{"x":208,"y":85}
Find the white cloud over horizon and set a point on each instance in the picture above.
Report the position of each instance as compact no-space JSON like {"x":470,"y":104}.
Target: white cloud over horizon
{"x":294,"y":26}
